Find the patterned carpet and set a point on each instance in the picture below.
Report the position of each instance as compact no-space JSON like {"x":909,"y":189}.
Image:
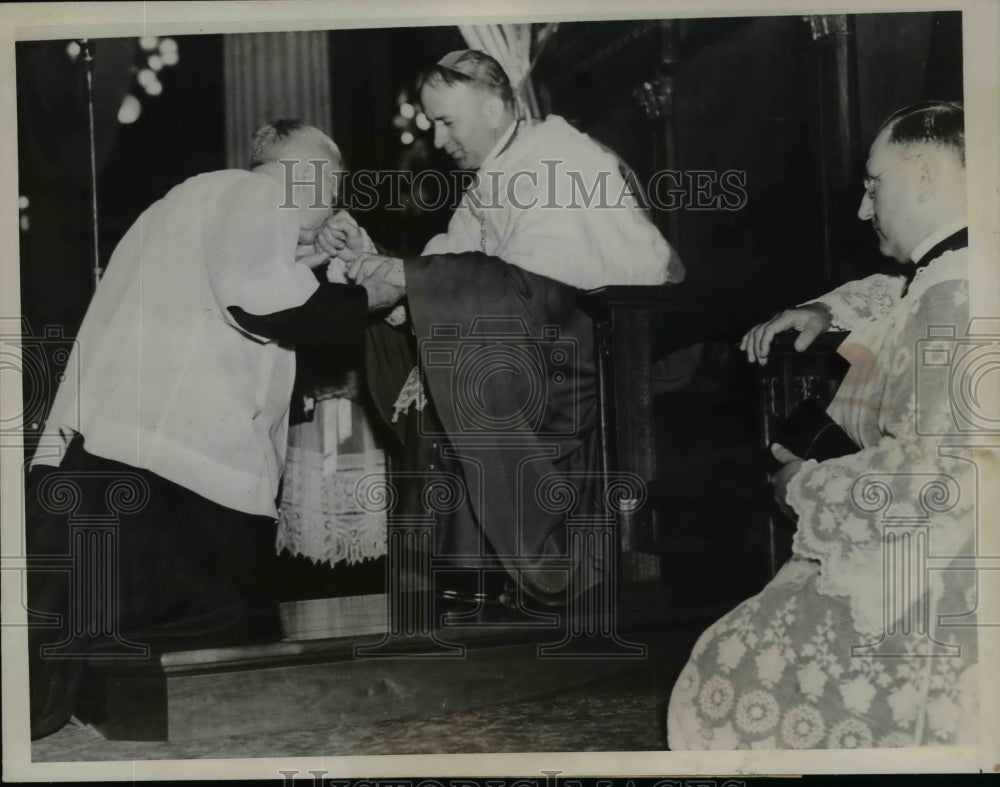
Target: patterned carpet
{"x":622,"y":714}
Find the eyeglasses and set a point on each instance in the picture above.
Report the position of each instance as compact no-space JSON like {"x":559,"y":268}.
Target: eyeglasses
{"x":871,"y":180}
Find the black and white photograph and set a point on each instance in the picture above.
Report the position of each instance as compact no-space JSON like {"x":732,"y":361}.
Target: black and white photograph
{"x":555,"y":390}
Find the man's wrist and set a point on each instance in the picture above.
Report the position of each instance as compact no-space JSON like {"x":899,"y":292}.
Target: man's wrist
{"x":396,"y":275}
{"x":822,"y":308}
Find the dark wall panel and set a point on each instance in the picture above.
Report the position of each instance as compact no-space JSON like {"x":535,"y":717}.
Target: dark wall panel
{"x":744,"y":104}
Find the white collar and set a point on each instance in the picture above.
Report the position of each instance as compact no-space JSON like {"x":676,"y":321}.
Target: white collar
{"x":937,"y":236}
{"x":504,"y":139}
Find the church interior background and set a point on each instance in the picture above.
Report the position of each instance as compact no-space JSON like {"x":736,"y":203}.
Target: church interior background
{"x":796,"y":121}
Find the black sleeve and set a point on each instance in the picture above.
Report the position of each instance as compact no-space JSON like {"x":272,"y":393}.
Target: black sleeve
{"x":333,"y":319}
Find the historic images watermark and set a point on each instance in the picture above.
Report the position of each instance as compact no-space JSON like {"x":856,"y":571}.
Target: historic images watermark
{"x":929,"y":511}
{"x":967,"y":367}
{"x":421,"y":625}
{"x":502,"y":379}
{"x":40,"y":362}
{"x":543,"y":363}
{"x":952,"y":366}
{"x":91,"y":563}
{"x":505,"y":408}
{"x":552,"y":186}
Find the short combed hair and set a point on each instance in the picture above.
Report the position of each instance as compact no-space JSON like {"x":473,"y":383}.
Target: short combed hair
{"x":940,"y":123}
{"x":474,"y":68}
{"x":268,"y":136}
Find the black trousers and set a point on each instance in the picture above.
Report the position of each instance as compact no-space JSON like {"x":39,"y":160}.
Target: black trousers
{"x":120,"y":557}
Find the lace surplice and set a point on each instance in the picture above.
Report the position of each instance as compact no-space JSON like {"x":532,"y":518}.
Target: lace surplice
{"x":817,"y":659}
{"x":332,"y":509}
{"x":857,"y":302}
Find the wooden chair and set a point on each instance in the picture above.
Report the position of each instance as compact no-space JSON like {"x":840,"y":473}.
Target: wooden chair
{"x":637,"y":326}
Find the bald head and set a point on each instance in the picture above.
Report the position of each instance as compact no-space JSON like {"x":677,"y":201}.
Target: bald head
{"x":915,"y":176}
{"x":939,"y":124}
{"x":306,"y":162}
{"x":288,"y":137}
{"x":473,"y":68}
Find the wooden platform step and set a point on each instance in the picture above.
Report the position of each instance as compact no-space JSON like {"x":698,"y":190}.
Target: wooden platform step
{"x":337,"y":663}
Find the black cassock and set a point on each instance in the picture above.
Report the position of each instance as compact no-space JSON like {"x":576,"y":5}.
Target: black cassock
{"x":505,"y":454}
{"x":188,"y":569}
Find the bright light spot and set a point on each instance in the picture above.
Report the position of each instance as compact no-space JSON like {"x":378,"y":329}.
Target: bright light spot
{"x":155,"y":62}
{"x":422,"y":122}
{"x":24,"y":223}
{"x":146,"y":77}
{"x":73,"y":49}
{"x":22,"y":202}
{"x":407,"y":110}
{"x":406,"y":138}
{"x":169,"y":58}
{"x":149,"y":43}
{"x":154,"y":88}
{"x":168,"y":46}
{"x":130,"y":109}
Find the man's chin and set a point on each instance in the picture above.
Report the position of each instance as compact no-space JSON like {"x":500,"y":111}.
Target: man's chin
{"x":890,"y":251}
{"x":464,"y":162}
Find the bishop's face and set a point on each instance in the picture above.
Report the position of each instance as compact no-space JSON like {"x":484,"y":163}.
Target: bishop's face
{"x":888,"y":201}
{"x":464,"y":126}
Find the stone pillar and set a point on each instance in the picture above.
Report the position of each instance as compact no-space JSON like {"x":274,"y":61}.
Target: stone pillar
{"x":272,"y":75}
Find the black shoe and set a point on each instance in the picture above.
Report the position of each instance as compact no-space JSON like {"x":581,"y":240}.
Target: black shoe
{"x":460,"y":596}
{"x":517,"y":600}
{"x":470,"y":587}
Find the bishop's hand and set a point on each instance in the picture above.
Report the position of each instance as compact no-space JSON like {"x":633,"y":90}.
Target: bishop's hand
{"x":809,"y":320}
{"x":342,"y":237}
{"x":383,"y":277}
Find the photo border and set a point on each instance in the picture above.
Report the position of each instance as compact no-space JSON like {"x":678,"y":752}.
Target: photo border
{"x":981,"y":31}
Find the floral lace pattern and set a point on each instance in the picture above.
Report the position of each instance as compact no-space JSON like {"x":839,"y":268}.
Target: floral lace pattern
{"x":806,"y":663}
{"x":803,"y":686}
{"x":331,"y":505}
{"x":844,"y":504}
{"x":861,"y":301}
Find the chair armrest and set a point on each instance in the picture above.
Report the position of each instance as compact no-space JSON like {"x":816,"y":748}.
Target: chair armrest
{"x":790,"y":377}
{"x":634,"y":326}
{"x":825,"y":344}
{"x":684,"y":314}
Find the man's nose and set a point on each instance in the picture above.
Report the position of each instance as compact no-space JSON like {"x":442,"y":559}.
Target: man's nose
{"x":866,"y":211}
{"x":440,"y":135}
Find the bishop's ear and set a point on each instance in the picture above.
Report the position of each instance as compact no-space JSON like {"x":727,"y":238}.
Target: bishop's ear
{"x":493,"y":110}
{"x":928,"y":170}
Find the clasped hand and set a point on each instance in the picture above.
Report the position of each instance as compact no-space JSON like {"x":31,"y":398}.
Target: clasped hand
{"x":352,"y":259}
{"x":338,"y":242}
{"x":382,"y":277}
{"x":341,"y":237}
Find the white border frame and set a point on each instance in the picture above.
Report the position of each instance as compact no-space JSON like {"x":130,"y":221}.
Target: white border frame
{"x":981,"y":30}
